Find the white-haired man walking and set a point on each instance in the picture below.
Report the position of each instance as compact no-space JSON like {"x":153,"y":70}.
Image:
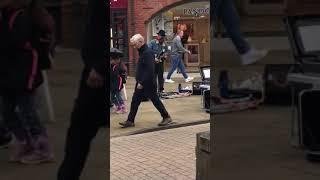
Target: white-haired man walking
{"x":145,"y":83}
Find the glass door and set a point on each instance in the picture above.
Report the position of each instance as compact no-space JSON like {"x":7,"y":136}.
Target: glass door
{"x":118,"y":31}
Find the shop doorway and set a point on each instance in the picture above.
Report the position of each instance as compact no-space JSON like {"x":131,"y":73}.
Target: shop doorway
{"x":194,"y":19}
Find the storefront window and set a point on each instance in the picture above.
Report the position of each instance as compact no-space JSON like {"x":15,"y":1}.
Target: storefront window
{"x":118,"y":31}
{"x":193,"y":19}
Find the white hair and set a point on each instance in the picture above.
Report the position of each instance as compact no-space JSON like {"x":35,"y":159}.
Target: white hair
{"x":137,"y":38}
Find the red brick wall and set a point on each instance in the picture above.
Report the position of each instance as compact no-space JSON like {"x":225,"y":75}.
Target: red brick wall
{"x":143,"y":11}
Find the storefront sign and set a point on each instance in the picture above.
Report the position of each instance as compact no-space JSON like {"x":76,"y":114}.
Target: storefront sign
{"x":118,"y":4}
{"x":196,"y":11}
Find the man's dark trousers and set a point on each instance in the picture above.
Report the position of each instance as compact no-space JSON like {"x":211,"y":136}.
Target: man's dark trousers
{"x":159,"y":70}
{"x":89,"y":114}
{"x":150,"y":93}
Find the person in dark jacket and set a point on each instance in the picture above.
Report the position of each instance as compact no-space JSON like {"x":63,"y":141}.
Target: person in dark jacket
{"x":145,"y":83}
{"x":117,"y":80}
{"x":19,"y":79}
{"x":89,"y":112}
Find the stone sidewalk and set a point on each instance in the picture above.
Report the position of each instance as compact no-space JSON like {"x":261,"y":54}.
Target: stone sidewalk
{"x":160,"y":155}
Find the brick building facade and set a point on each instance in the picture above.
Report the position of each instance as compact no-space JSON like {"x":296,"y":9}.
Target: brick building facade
{"x":139,"y":13}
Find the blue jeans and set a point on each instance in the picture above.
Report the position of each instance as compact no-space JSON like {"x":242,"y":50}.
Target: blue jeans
{"x":20,"y":116}
{"x":116,"y":98}
{"x":227,"y":12}
{"x":177,"y":63}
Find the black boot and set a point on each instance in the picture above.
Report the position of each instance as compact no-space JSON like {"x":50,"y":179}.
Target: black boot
{"x":127,"y":124}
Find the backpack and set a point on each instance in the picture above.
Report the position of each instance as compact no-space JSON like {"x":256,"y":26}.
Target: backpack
{"x":43,"y":36}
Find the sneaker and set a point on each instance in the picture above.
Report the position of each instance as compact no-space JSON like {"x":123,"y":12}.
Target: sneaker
{"x":122,"y":110}
{"x":253,"y":56}
{"x":127,"y":124}
{"x":37,"y":157}
{"x":5,"y":141}
{"x":21,"y":149}
{"x":115,"y":109}
{"x":165,"y":121}
{"x":41,"y":153}
{"x":189,"y":79}
{"x":169,"y":81}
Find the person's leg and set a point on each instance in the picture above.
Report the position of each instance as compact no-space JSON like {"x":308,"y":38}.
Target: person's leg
{"x":182,"y":68}
{"x":174,"y":66}
{"x":231,"y":20}
{"x":38,"y":134}
{"x":11,"y":119}
{"x":160,"y":77}
{"x":226,"y":10}
{"x":114,"y":101}
{"x":87,"y":117}
{"x":16,"y":125}
{"x":135,"y":103}
{"x":156,"y":73}
{"x":122,"y":106}
{"x":157,"y":103}
{"x":77,"y":146}
{"x":166,"y":119}
{"x":28,"y":113}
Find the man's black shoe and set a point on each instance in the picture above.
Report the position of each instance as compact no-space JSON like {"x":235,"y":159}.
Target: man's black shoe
{"x":5,"y":141}
{"x":165,"y":121}
{"x":127,"y":124}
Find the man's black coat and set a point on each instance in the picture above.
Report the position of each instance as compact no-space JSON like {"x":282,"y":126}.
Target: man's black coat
{"x":95,"y":40}
{"x":145,"y":69}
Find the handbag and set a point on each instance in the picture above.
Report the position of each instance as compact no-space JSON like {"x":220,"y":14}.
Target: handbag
{"x":124,"y":93}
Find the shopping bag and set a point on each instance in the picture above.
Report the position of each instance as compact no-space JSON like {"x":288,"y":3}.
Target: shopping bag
{"x":124,"y":93}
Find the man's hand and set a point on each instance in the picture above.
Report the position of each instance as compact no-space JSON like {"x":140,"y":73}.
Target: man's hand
{"x":189,"y":52}
{"x":139,"y":86}
{"x":157,"y":60}
{"x":94,"y":80}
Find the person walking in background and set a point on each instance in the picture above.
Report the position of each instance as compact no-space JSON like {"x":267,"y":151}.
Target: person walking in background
{"x":20,"y":76}
{"x":227,"y":12}
{"x":89,"y":112}
{"x":160,"y":50}
{"x":177,"y":50}
{"x":145,"y":83}
{"x":117,"y":80}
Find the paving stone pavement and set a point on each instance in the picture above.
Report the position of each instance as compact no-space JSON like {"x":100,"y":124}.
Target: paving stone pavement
{"x":160,"y":155}
{"x":182,"y":110}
